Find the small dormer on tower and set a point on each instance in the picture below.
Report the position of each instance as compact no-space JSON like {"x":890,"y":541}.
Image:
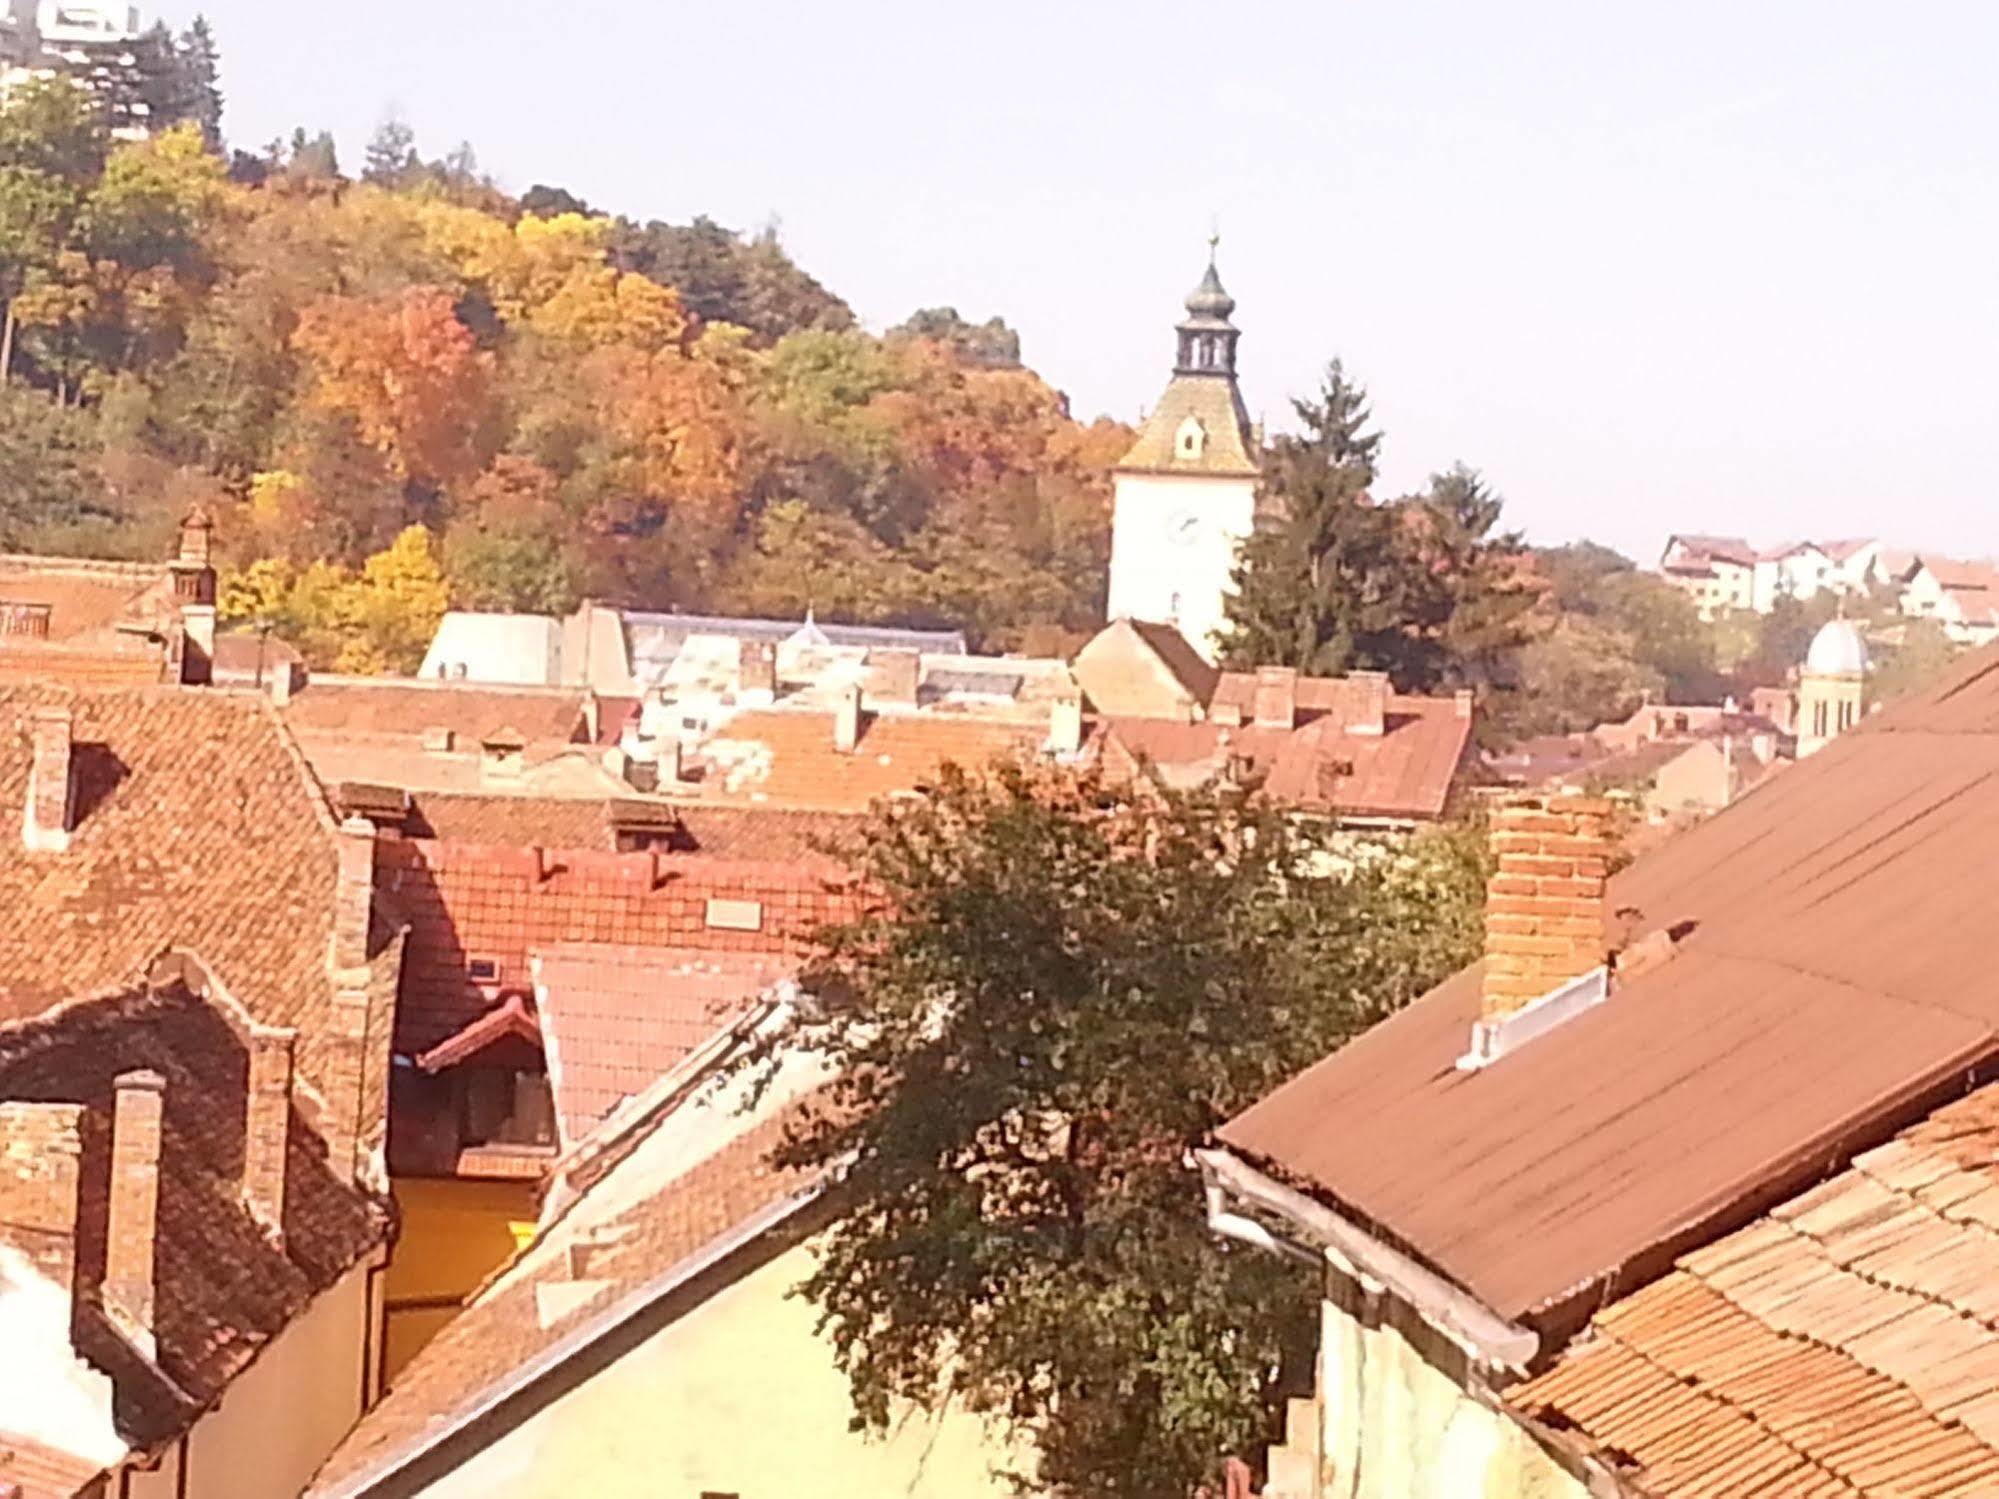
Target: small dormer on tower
{"x":1186,"y":490}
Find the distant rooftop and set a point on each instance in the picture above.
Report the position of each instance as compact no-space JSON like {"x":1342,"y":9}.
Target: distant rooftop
{"x":656,"y":639}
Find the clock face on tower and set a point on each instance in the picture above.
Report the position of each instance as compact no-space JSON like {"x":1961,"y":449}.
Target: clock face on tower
{"x":1183,"y":528}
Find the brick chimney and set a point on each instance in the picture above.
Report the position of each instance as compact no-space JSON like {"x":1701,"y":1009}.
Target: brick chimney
{"x":1065,"y":726}
{"x":847,"y":721}
{"x":1276,"y":705}
{"x":267,"y":1126}
{"x":133,"y":1226}
{"x":898,"y":677}
{"x":353,"y":894}
{"x":51,"y":808}
{"x":1367,"y":702}
{"x":193,"y":572}
{"x":41,"y":1149}
{"x":756,"y":672}
{"x":1546,"y":917}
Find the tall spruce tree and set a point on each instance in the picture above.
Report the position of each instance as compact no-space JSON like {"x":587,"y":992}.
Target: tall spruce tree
{"x":1313,"y":583}
{"x":198,"y":70}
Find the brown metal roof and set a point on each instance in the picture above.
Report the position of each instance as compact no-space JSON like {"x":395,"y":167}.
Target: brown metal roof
{"x":1837,"y":976}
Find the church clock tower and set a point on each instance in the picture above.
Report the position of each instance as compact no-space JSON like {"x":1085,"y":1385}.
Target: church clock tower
{"x":1186,"y":492}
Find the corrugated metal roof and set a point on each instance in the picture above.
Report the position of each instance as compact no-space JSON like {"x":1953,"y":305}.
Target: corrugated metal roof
{"x":1837,"y":974}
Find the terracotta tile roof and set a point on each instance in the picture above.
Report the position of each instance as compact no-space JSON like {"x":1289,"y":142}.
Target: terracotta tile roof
{"x":1834,"y":975}
{"x":410,"y":707}
{"x":1847,"y":1343}
{"x":41,"y":1472}
{"x":637,"y":1228}
{"x":1407,"y":771}
{"x":1716,"y":548}
{"x":741,"y":833}
{"x":618,"y":1019}
{"x":87,"y":600}
{"x":786,"y":759}
{"x":523,"y":821}
{"x":223,"y":1290}
{"x":467,"y":901}
{"x":198,"y":827}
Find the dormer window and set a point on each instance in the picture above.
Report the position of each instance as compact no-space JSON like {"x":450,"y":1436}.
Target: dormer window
{"x":1191,"y":440}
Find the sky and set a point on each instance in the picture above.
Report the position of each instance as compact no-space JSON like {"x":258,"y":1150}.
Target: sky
{"x":1699,"y":267}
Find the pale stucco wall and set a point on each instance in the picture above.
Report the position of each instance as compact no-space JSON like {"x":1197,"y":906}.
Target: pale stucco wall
{"x":739,"y":1396}
{"x":1394,"y":1425}
{"x":1173,"y":549}
{"x":283,"y":1416}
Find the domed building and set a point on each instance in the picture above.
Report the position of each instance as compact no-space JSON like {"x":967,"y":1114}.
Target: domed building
{"x":1832,"y":687}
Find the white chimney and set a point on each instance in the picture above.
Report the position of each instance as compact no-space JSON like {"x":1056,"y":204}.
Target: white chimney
{"x":51,"y":803}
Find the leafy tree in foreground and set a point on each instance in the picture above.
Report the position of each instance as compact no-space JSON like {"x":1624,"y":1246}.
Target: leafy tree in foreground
{"x":1063,"y":987}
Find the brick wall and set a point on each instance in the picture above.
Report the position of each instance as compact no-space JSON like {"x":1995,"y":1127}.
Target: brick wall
{"x":40,"y":1152}
{"x":1545,"y":919}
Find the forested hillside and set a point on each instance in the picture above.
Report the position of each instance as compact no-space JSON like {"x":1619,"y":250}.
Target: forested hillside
{"x":566,"y":403}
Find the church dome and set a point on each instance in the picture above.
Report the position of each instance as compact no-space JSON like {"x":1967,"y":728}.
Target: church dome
{"x":1837,"y":651}
{"x":1208,"y":299}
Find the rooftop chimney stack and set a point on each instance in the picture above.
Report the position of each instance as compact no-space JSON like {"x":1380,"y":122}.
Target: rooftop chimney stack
{"x":502,"y":756}
{"x":193,"y":571}
{"x":1065,"y":726}
{"x":756,"y":672}
{"x":354,"y":894}
{"x":267,"y":1126}
{"x":1276,"y":705}
{"x":133,"y":1228}
{"x":51,"y":782}
{"x":898,"y":677}
{"x":1368,"y":713}
{"x":847,"y":721}
{"x":41,"y":1150}
{"x":1546,"y":916}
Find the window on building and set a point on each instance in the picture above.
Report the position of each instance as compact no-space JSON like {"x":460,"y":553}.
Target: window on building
{"x":1191,"y":440}
{"x":483,"y":970}
{"x":1819,"y":719}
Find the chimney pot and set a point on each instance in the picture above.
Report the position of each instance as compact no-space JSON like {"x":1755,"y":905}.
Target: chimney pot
{"x":51,"y":781}
{"x":267,"y":1126}
{"x":847,"y":721}
{"x":756,"y":672}
{"x":1546,"y":914}
{"x":133,"y":1226}
{"x":1276,"y":705}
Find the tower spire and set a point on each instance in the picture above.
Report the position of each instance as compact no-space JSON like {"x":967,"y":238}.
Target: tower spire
{"x":1207,"y":337}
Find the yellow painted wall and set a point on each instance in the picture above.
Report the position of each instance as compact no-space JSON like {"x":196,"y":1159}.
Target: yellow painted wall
{"x":284,"y":1415}
{"x":1393,"y":1425}
{"x":454,"y":1234}
{"x":740,"y":1396}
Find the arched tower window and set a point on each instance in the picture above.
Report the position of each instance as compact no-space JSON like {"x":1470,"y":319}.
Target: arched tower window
{"x":1191,"y":440}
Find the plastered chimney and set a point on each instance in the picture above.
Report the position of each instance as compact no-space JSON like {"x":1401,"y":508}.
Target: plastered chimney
{"x":193,"y":571}
{"x":41,"y":1149}
{"x":132,"y":1231}
{"x":1546,"y":915}
{"x":847,"y":721}
{"x":898,"y":677}
{"x":267,"y":1126}
{"x":1065,"y":726}
{"x":1276,"y":705}
{"x":51,"y":807}
{"x":756,"y":672}
{"x":1368,"y":702}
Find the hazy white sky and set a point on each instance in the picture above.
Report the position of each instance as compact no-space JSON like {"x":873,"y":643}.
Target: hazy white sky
{"x":1692,"y":267}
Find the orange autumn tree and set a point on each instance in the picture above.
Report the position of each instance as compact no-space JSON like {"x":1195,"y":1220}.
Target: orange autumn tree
{"x":410,"y":376}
